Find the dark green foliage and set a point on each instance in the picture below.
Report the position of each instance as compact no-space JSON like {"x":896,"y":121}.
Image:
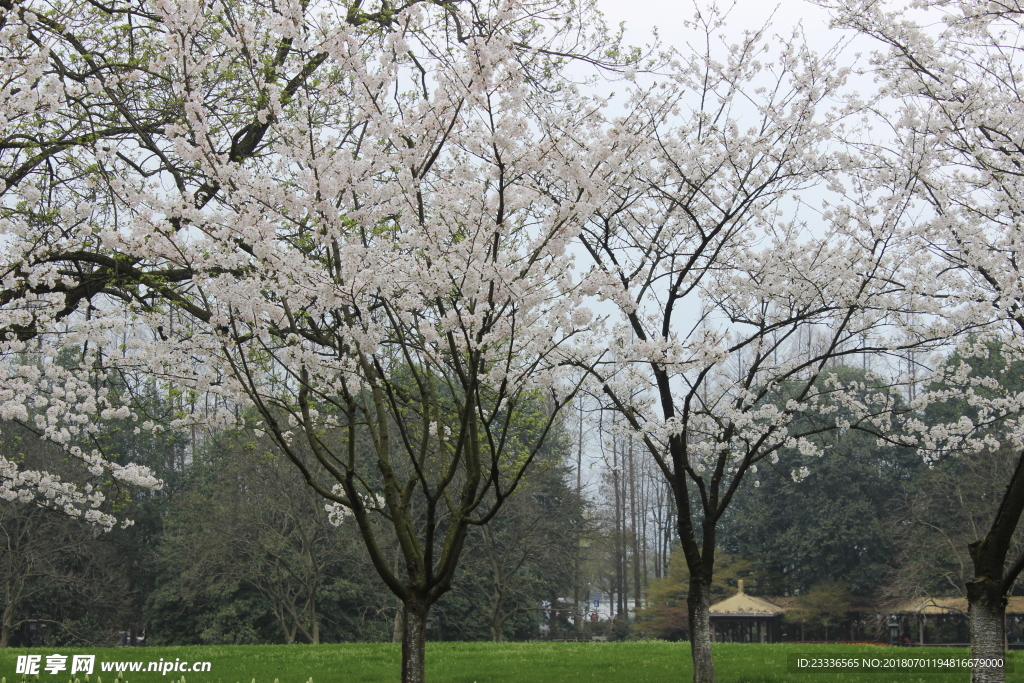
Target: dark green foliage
{"x":940,"y":512}
{"x":833,"y":525}
{"x":83,"y":584}
{"x":953,"y":503}
{"x":824,"y":606}
{"x":665,"y":614}
{"x":985,"y":362}
{"x":230,"y":550}
{"x":248,"y":556}
{"x":523,"y":557}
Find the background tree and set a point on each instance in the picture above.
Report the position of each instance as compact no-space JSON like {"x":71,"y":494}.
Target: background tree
{"x":950,"y":69}
{"x":837,"y":522}
{"x":57,"y":571}
{"x":525,"y":555}
{"x":940,"y":513}
{"x":933,"y":542}
{"x":248,"y":555}
{"x":719,"y":297}
{"x":826,"y":605}
{"x":84,"y":585}
{"x":40,"y":551}
{"x":625,"y":516}
{"x":665,"y":613}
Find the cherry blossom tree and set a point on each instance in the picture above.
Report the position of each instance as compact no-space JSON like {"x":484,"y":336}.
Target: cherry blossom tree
{"x":76,"y":84}
{"x":732,"y":310}
{"x":951,"y":70}
{"x":349,"y":227}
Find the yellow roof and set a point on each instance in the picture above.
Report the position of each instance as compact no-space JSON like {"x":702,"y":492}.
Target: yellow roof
{"x":933,"y":606}
{"x":742,"y":604}
{"x":1015,"y":605}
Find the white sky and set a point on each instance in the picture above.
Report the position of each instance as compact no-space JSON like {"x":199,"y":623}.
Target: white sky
{"x":642,"y":15}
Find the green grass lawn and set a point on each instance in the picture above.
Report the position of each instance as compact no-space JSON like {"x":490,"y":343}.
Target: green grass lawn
{"x":540,"y":662}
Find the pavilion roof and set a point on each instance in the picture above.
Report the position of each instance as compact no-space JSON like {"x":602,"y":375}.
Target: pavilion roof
{"x":930,"y":605}
{"x":742,"y":604}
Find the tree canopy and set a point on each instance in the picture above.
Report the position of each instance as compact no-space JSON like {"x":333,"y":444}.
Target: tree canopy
{"x":395,"y":241}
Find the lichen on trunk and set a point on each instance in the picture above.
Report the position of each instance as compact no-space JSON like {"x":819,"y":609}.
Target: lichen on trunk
{"x":414,"y":641}
{"x":699,"y":603}
{"x":986,"y":611}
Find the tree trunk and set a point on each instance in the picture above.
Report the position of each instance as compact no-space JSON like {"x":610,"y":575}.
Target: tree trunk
{"x":287,"y":630}
{"x":414,"y":641}
{"x":635,"y":536}
{"x":620,"y":536}
{"x":498,"y":627}
{"x":315,"y":639}
{"x":497,"y":618}
{"x":986,"y":611}
{"x":7,"y":623}
{"x":578,"y":619}
{"x":396,"y":633}
{"x":699,"y":603}
{"x":986,"y":593}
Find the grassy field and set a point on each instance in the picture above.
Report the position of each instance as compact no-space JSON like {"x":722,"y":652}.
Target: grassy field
{"x":536,"y":662}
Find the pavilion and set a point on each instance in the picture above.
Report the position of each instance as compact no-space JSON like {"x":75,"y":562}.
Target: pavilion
{"x":746,"y":619}
{"x":934,"y":613}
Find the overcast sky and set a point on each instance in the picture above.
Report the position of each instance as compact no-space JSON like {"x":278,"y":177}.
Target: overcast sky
{"x":641,"y":15}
